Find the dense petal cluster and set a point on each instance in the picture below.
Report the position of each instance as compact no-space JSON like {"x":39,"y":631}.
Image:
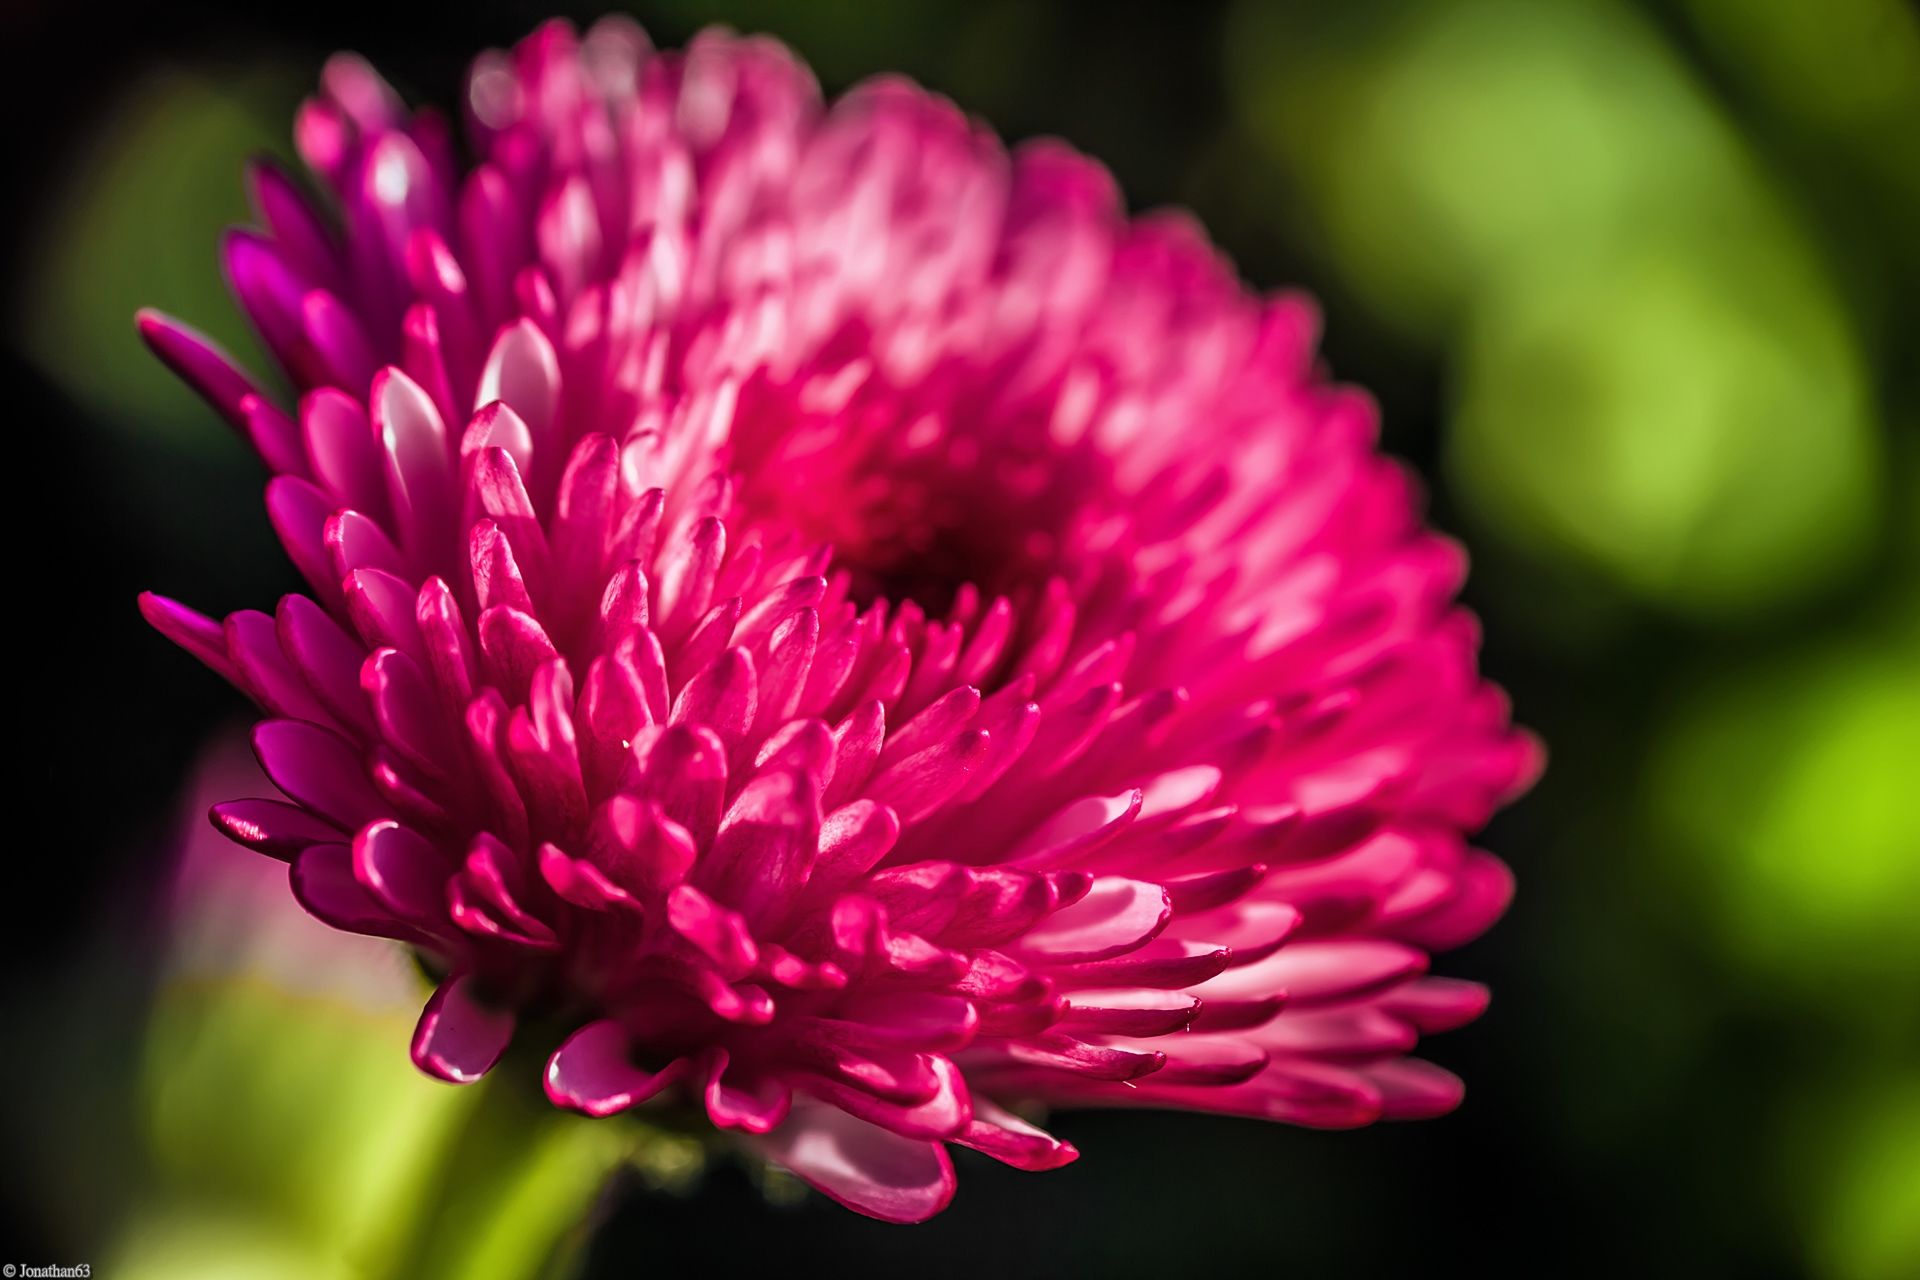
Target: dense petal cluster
{"x":840,"y":622}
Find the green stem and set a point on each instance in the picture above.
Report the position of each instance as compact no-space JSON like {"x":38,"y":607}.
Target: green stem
{"x":511,"y":1191}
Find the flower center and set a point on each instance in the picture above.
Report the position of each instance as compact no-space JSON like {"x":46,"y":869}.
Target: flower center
{"x":917,"y":513}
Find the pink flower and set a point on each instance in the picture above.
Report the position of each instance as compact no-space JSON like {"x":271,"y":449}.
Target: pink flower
{"x":828,"y":619}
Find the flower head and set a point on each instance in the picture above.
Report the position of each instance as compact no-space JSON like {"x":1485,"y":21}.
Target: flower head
{"x":840,"y":621}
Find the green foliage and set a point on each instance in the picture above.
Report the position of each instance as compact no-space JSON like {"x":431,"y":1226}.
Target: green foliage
{"x":1654,"y":375}
{"x":1791,"y":781}
{"x":137,"y":225}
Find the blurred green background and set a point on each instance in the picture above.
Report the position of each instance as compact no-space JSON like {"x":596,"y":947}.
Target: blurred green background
{"x":1636,"y":284}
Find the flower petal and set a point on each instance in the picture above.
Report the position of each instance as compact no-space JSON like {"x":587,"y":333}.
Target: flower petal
{"x":593,"y":1071}
{"x":860,"y":1165}
{"x":459,"y":1037}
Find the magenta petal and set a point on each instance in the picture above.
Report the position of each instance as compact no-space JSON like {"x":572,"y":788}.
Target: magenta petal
{"x":1012,"y":1141}
{"x":1296,"y":1091}
{"x":593,"y":1071}
{"x":900,"y":1076}
{"x":1206,"y":1060}
{"x":443,"y":637}
{"x":417,"y":461}
{"x":488,"y":897}
{"x":1012,"y":728}
{"x":406,"y":712}
{"x":745,"y":1004}
{"x":1168,"y":963}
{"x":1209,"y":892}
{"x":196,"y":358}
{"x":924,"y":1019}
{"x":803,"y":746}
{"x":1437,"y":1004}
{"x":299,"y":513}
{"x":783,"y":673}
{"x":685,"y":573}
{"x":492,"y":238}
{"x":339,"y":343}
{"x":291,"y":220}
{"x":351,"y":84}
{"x":513,"y":646}
{"x":785,"y":969}
{"x":1083,"y":1058}
{"x":323,"y":882}
{"x":1348,"y":1032}
{"x":1411,"y":1089}
{"x":735,"y":1100}
{"x":640,"y":847}
{"x":269,"y":293}
{"x":274,"y":436}
{"x":404,"y":871}
{"x":862,"y":1166}
{"x":278,"y":830}
{"x":357,"y":544}
{"x":327,"y":658}
{"x":568,"y":233}
{"x":585,"y":513}
{"x":623,"y":604}
{"x":497,"y":426}
{"x":319,"y":769}
{"x":857,"y":742}
{"x":497,"y":579}
{"x":1253,"y":929}
{"x":1082,"y":826}
{"x":777,"y":606}
{"x":1135,"y":1011}
{"x":722,"y":697}
{"x":323,"y":137}
{"x":498,"y":491}
{"x":253,"y":642}
{"x":198,"y":634}
{"x":383,"y":609}
{"x":1237,"y":1015}
{"x":684,"y":770}
{"x":1485,"y":887}
{"x":938,"y":722}
{"x":853,"y":840}
{"x":339,"y":442}
{"x":1178,"y":792}
{"x":721,"y":935}
{"x":582,"y":883}
{"x":1116,"y":916}
{"x":708,"y":640}
{"x":944,"y":1114}
{"x":766,"y":845}
{"x":522,"y":372}
{"x":922,"y":782}
{"x":1316,"y":972}
{"x":459,"y":1037}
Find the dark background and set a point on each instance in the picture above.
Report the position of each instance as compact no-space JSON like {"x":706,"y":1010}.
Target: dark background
{"x":1635,"y":285}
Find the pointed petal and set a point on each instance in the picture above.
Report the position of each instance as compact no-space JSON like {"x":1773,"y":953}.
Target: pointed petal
{"x":199,"y":635}
{"x":1012,"y":1141}
{"x":278,"y":830}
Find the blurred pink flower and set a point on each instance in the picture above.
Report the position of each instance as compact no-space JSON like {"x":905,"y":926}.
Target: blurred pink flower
{"x":840,"y":624}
